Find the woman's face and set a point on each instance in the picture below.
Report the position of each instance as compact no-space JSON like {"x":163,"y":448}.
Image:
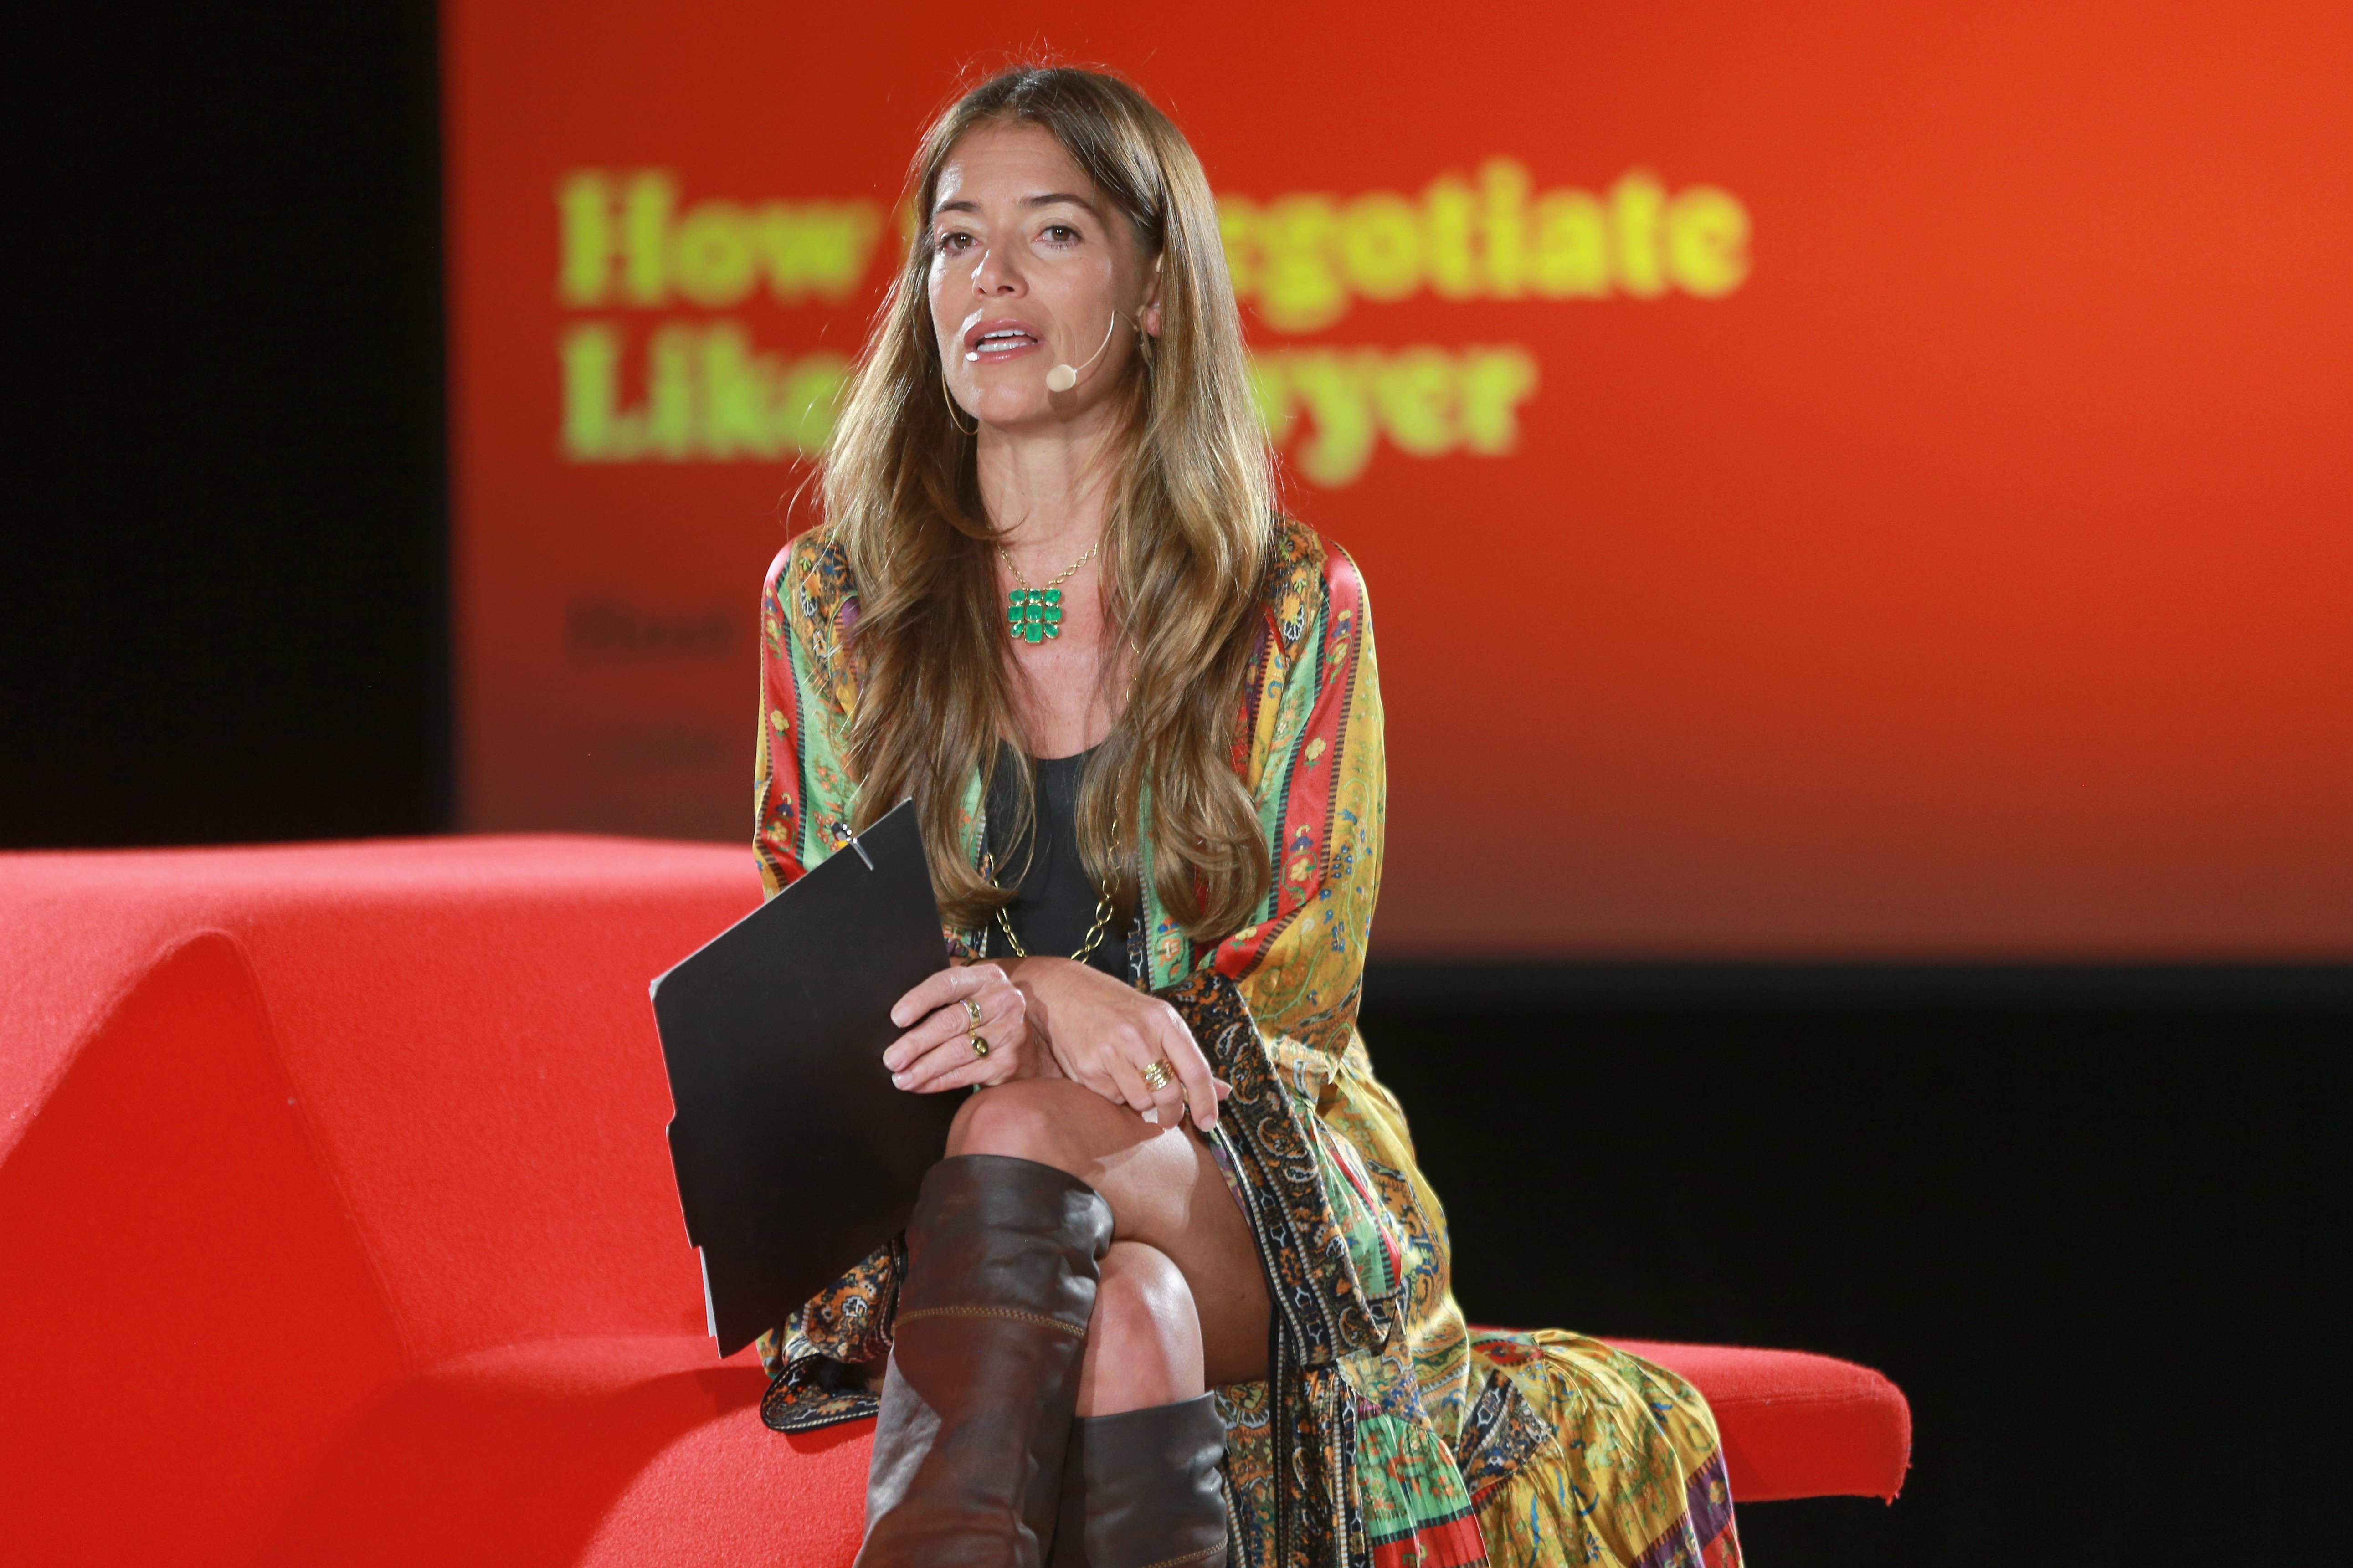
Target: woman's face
{"x":1028,"y":263}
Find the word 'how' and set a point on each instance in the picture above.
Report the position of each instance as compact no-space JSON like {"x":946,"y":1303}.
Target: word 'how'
{"x":626,"y":243}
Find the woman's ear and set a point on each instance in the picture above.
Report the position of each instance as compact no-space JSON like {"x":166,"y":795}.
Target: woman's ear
{"x":1150,"y":316}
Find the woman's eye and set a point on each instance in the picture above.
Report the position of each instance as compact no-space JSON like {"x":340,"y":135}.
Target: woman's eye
{"x":1061,"y":234}
{"x":954,"y":241}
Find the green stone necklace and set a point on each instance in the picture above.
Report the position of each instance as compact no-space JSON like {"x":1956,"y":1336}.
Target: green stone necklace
{"x":1035,"y":614}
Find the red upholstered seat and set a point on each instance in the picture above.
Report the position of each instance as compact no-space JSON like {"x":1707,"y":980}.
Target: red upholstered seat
{"x":1796,"y":1424}
{"x":336,"y":1226}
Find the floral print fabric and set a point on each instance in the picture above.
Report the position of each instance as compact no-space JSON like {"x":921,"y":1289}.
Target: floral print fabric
{"x":1387,"y":1432}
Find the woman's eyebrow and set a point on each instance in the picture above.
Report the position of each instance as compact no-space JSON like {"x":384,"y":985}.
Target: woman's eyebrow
{"x":1049,"y":199}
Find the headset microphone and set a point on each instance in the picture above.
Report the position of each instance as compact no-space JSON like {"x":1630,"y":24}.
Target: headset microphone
{"x":1062,"y":377}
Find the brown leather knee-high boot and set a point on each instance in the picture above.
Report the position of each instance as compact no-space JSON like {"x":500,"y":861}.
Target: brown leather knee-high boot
{"x":1002,"y":1257}
{"x":1140,"y":1489}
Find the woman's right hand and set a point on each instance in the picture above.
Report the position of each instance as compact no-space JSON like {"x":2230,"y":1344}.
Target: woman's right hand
{"x":936,"y":1052}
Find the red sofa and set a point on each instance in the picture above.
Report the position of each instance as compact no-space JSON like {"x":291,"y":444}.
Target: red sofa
{"x":336,"y":1226}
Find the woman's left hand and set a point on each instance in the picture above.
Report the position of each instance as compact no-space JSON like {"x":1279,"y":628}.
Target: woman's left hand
{"x":1108,"y":1036}
{"x":943,"y":1017}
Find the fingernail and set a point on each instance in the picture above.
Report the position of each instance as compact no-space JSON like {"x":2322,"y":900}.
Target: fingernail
{"x":898,"y":1080}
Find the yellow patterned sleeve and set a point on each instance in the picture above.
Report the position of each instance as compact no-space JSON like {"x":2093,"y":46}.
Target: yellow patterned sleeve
{"x":1317,"y":760}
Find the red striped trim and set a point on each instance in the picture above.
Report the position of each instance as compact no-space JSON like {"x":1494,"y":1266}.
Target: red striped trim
{"x":1309,"y":784}
{"x":1448,"y":1543}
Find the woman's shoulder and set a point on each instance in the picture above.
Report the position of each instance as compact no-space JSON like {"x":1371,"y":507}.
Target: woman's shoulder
{"x":811,"y":599}
{"x":812,"y":563}
{"x":1308,"y":576}
{"x":810,"y":589}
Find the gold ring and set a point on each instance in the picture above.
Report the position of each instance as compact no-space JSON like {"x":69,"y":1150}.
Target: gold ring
{"x":980,"y":1044}
{"x":972,"y":1011}
{"x":1158,"y":1075}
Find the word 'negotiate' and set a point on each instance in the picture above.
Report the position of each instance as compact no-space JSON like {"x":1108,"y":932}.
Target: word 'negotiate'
{"x":1301,"y":260}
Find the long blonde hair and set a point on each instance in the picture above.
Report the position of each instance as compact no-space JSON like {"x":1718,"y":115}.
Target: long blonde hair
{"x":1187,"y":539}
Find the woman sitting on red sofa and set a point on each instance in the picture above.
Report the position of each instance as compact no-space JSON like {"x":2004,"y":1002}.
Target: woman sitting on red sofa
{"x":1179,"y":1283}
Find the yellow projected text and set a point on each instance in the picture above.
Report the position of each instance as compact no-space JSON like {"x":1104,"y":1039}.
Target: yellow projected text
{"x":626,"y":243}
{"x":688,"y":387}
{"x":708,"y":396}
{"x":1428,"y":402}
{"x":1301,"y":259}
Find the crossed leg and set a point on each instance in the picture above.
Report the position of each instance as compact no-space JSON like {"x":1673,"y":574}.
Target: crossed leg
{"x":1182,"y":1305}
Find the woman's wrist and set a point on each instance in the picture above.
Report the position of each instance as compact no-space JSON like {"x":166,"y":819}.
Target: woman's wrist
{"x":1044,"y":981}
{"x":1037,"y":969}
{"x":1034,"y":975}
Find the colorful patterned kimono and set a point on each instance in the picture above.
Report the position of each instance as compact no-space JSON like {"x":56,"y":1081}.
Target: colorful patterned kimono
{"x":1386,"y":1432}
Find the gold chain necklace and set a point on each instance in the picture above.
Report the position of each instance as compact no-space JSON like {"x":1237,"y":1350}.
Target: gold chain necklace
{"x":1094,"y":931}
{"x":1035,"y":614}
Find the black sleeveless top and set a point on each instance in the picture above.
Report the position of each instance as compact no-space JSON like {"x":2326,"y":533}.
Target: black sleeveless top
{"x":1054,"y":906}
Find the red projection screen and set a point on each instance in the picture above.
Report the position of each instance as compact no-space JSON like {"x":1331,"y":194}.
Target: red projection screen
{"x":1834,"y":480}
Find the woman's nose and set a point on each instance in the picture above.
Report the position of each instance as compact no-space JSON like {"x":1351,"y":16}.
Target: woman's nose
{"x":994,"y":274}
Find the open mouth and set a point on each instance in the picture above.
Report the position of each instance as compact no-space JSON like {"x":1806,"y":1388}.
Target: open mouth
{"x":999,"y":342}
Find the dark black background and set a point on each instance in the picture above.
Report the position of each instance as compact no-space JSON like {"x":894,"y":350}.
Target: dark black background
{"x":224,"y":583}
{"x":2093,"y":1221}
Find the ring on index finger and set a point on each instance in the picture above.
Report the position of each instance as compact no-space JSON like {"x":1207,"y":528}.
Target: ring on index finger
{"x":1156,"y":1075}
{"x":972,"y":1011}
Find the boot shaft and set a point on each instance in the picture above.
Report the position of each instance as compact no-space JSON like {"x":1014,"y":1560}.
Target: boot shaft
{"x":1141,"y":1489}
{"x":1003,"y":1260}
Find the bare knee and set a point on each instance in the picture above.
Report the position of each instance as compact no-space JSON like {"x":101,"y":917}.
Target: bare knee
{"x":1031,"y":1119}
{"x":1143,"y":1342}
